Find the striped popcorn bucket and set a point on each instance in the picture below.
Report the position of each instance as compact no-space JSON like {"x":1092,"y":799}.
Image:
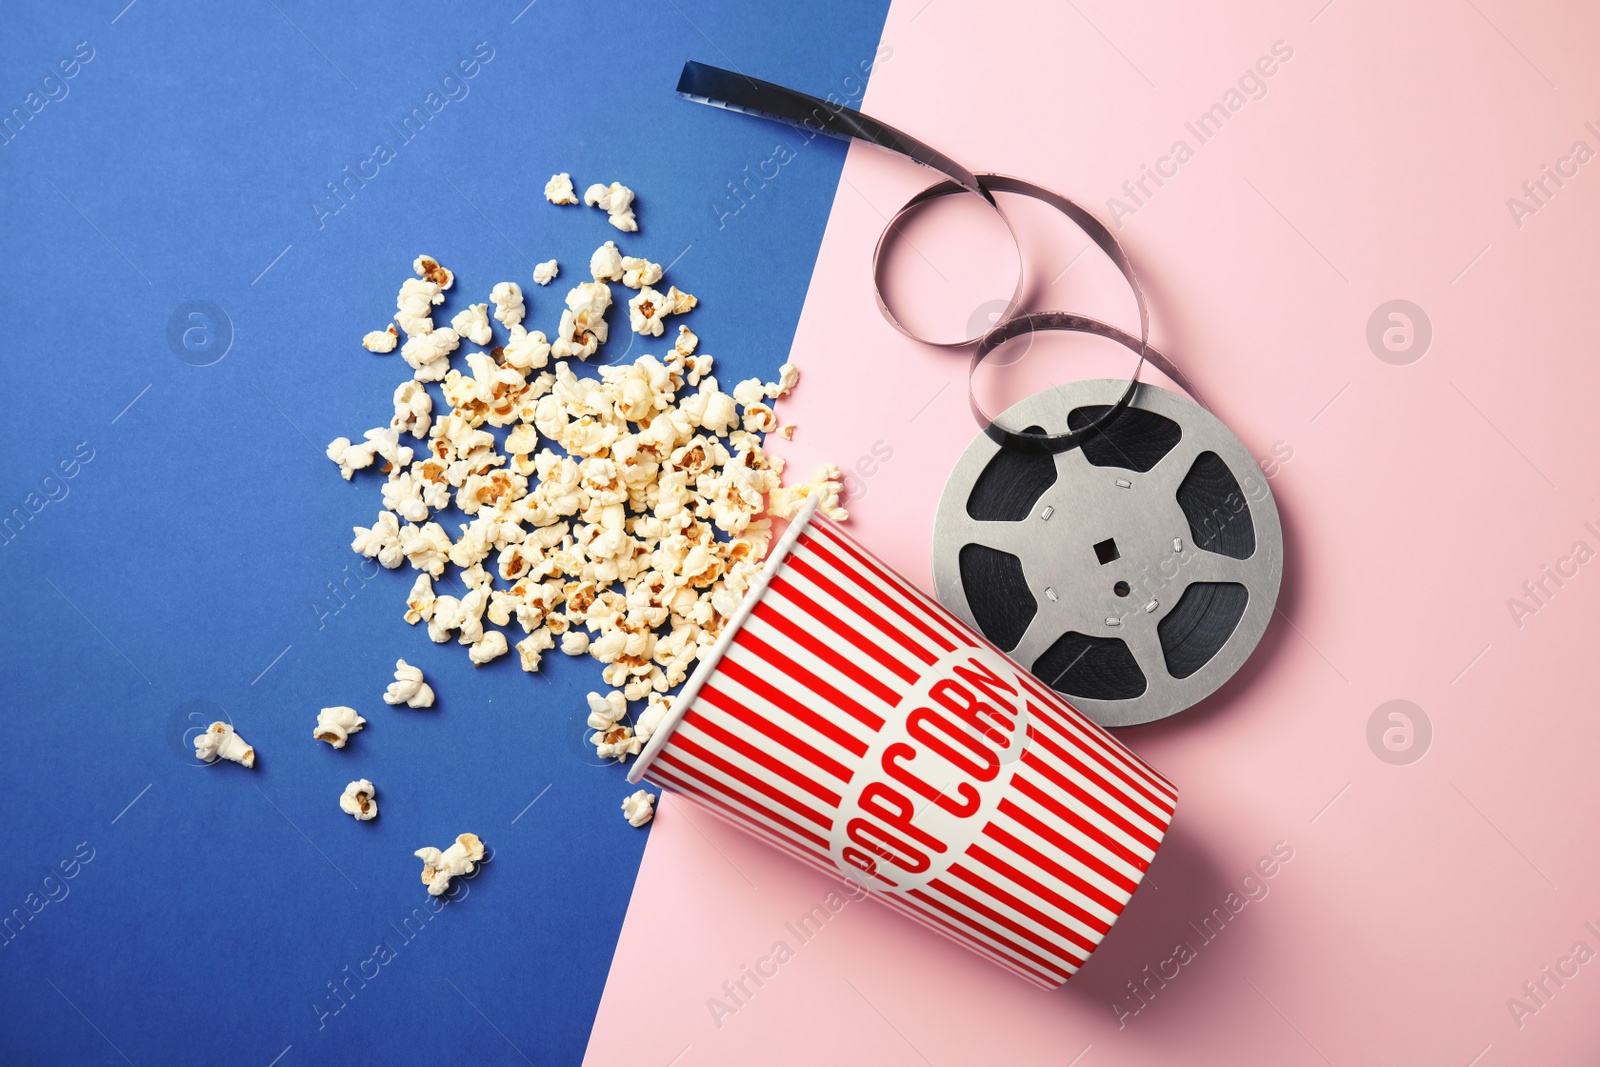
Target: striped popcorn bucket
{"x":852,"y":722}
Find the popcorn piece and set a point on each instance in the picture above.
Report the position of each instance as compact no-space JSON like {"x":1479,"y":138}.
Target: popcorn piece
{"x":786,"y":431}
{"x":616,"y":742}
{"x":638,"y":273}
{"x":639,"y":808}
{"x":647,"y":311}
{"x":459,"y":859}
{"x":413,"y":409}
{"x":381,"y":540}
{"x":680,"y":302}
{"x":349,"y":457}
{"x":606,"y":263}
{"x":526,"y":351}
{"x":531,"y":648}
{"x":335,"y":725}
{"x":785,"y":501}
{"x":559,"y":190}
{"x":491,"y":646}
{"x":574,"y":642}
{"x":429,"y":353}
{"x":788,"y":377}
{"x":220,"y":742}
{"x":651,"y":718}
{"x":473,"y":323}
{"x":414,"y":305}
{"x":508,"y":306}
{"x":419,"y":604}
{"x":381,"y":341}
{"x":616,"y":200}
{"x":428,"y":270}
{"x":545,"y":273}
{"x":426,"y":547}
{"x":606,"y":711}
{"x":408,"y":688}
{"x":686,"y":341}
{"x":360,"y":798}
{"x":583,"y":324}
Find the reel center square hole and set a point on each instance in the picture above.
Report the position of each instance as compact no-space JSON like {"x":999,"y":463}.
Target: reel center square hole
{"x":1106,"y":551}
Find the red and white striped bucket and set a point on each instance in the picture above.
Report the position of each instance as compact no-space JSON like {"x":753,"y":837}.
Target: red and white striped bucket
{"x":852,"y":722}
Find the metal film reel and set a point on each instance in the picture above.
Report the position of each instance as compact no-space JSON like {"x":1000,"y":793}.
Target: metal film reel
{"x":1134,"y":574}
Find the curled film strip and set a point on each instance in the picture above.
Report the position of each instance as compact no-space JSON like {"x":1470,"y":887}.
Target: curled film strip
{"x":1113,"y":537}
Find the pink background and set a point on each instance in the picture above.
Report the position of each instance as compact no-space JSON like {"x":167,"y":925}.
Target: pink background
{"x":1418,"y":499}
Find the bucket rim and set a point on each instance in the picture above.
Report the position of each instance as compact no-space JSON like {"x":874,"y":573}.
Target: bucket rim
{"x":710,"y":660}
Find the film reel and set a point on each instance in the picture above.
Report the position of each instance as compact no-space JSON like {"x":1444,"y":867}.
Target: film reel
{"x":1134,"y":574}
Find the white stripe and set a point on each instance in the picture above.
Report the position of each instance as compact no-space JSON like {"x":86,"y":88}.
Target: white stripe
{"x":783,"y":720}
{"x":710,"y":782}
{"x":767,"y":778}
{"x":705,"y":770}
{"x":1110,"y":801}
{"x":1126,"y":796}
{"x":1086,"y":730}
{"x":1102,"y":917}
{"x":825,"y":671}
{"x":935,"y":613}
{"x":983,"y":945}
{"x":1050,"y":945}
{"x":1078,"y":837}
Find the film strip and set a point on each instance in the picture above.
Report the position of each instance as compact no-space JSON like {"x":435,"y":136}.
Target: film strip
{"x":1113,"y":537}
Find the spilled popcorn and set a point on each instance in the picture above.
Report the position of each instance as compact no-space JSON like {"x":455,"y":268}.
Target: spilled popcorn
{"x":558,"y":190}
{"x":220,"y":742}
{"x":408,"y":688}
{"x":360,"y":798}
{"x":335,"y":725}
{"x":459,"y":859}
{"x":639,"y":808}
{"x":616,"y":200}
{"x":621,"y":515}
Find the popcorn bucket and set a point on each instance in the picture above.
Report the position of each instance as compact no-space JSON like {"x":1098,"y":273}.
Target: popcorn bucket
{"x":849,"y":720}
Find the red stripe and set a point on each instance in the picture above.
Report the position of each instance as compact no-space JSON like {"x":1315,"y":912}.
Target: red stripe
{"x":688,"y":747}
{"x":1071,"y":720}
{"x":1032,"y":759}
{"x":959,"y":921}
{"x":1001,"y":836}
{"x":783,"y":701}
{"x":999,"y":918}
{"x":878,"y":593}
{"x":782,"y":768}
{"x":801,"y":565}
{"x":909,"y":595}
{"x":750,"y":811}
{"x":725,"y":703}
{"x":799,"y":675}
{"x":738,"y":818}
{"x":997,"y":892}
{"x":961,"y":636}
{"x":817,"y":614}
{"x":1060,"y":904}
{"x":1107,"y":783}
{"x":1138,"y":774}
{"x":1051,"y":975}
{"x":1013,"y":810}
{"x":1055,"y":959}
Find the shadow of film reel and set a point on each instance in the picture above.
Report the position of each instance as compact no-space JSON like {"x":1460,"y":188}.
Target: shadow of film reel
{"x":1135,"y":574}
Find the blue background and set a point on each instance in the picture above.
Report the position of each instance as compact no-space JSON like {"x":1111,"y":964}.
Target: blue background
{"x":187,"y":572}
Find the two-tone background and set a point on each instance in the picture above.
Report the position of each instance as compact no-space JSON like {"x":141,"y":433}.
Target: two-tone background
{"x":1438,"y":499}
